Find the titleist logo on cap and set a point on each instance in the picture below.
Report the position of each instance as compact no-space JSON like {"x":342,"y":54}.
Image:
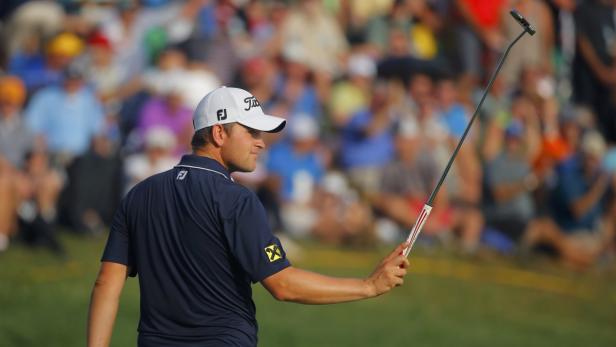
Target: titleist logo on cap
{"x":227,"y":105}
{"x":251,"y":102}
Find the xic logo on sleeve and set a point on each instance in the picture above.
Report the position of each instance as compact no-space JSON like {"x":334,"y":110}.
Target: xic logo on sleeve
{"x":273,"y":253}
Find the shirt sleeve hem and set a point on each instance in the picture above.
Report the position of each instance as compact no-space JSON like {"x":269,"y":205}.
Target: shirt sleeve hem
{"x":272,"y":271}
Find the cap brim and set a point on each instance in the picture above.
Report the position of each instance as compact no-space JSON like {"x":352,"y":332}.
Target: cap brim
{"x":270,"y":124}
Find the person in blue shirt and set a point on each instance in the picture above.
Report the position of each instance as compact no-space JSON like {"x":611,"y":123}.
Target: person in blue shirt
{"x":367,"y":141}
{"x":66,"y":117}
{"x":583,"y":217}
{"x":197,"y":241}
{"x":453,"y":113}
{"x":298,"y":156}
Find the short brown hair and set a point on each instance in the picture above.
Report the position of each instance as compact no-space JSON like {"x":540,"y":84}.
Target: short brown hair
{"x":203,"y":136}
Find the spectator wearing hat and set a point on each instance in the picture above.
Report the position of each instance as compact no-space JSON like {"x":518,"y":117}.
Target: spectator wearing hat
{"x":367,"y":140}
{"x":510,"y":181}
{"x":66,"y":117}
{"x":522,"y":109}
{"x":167,"y":107}
{"x":103,"y":73}
{"x":295,"y":88}
{"x":157,"y":156}
{"x":298,"y":167}
{"x":562,"y":133}
{"x":581,"y":227}
{"x":39,"y":70}
{"x":259,"y":75}
{"x":352,"y":94}
{"x":15,"y":137}
{"x":15,"y":141}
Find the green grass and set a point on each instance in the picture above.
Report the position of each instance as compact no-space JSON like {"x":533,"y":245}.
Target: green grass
{"x":446,"y":301}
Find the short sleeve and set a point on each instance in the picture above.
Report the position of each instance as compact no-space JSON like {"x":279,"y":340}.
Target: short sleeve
{"x":251,"y":241}
{"x":118,"y":248}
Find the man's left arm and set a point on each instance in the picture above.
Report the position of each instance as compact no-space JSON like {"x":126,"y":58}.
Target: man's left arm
{"x":104,"y":303}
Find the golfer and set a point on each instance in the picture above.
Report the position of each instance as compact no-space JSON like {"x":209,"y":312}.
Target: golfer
{"x":198,"y":240}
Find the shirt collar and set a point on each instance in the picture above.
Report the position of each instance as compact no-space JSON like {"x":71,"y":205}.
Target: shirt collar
{"x":204,"y":163}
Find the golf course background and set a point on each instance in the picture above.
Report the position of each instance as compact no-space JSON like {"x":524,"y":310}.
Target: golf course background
{"x":445,"y":301}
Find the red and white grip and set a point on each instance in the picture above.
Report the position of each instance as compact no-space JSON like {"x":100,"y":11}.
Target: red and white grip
{"x":419,"y":223}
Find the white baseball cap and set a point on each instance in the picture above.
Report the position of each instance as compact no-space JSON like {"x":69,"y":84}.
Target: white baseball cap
{"x":228,"y":105}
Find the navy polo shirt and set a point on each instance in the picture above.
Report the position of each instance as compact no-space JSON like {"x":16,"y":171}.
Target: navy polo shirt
{"x":197,"y":241}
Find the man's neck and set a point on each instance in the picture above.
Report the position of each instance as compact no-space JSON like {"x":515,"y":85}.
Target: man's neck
{"x":212,"y":154}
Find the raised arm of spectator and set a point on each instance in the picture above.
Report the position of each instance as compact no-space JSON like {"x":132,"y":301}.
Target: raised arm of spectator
{"x":104,"y":303}
{"x":300,"y":286}
{"x":582,"y":205}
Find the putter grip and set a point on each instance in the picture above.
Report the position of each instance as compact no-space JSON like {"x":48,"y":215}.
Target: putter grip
{"x":419,"y":223}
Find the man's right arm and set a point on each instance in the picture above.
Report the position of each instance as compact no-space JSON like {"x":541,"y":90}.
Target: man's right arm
{"x":104,"y":303}
{"x":296,"y":285}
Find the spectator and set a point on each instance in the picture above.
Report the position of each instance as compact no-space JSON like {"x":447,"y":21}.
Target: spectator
{"x":259,"y":75}
{"x":465,"y":183}
{"x":367,"y":141}
{"x":426,"y":26}
{"x":295,"y":88}
{"x":173,"y":70}
{"x":107,"y":78}
{"x":323,"y":45}
{"x":564,"y":42}
{"x":407,"y":183}
{"x":37,"y":210}
{"x":479,"y":32}
{"x":531,"y":52}
{"x":66,"y":117}
{"x":128,"y":31}
{"x":43,"y":19}
{"x":167,"y":109}
{"x":352,"y":94}
{"x":522,"y":109}
{"x":299,"y":168}
{"x":158,"y":156}
{"x":343,"y":218}
{"x":582,"y":227}
{"x":510,"y":182}
{"x":93,"y":188}
{"x":38,"y":71}
{"x":398,"y":20}
{"x":594,"y":67}
{"x":15,"y":141}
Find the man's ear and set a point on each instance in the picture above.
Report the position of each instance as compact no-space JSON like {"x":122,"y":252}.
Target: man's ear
{"x":219,"y":135}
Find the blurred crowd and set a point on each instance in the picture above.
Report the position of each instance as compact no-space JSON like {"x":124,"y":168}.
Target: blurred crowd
{"x":97,"y":95}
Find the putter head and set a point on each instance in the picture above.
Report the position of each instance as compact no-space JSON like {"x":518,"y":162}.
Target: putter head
{"x":523,"y":22}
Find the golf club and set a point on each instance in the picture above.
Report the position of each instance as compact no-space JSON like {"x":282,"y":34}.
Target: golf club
{"x":425,"y":212}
